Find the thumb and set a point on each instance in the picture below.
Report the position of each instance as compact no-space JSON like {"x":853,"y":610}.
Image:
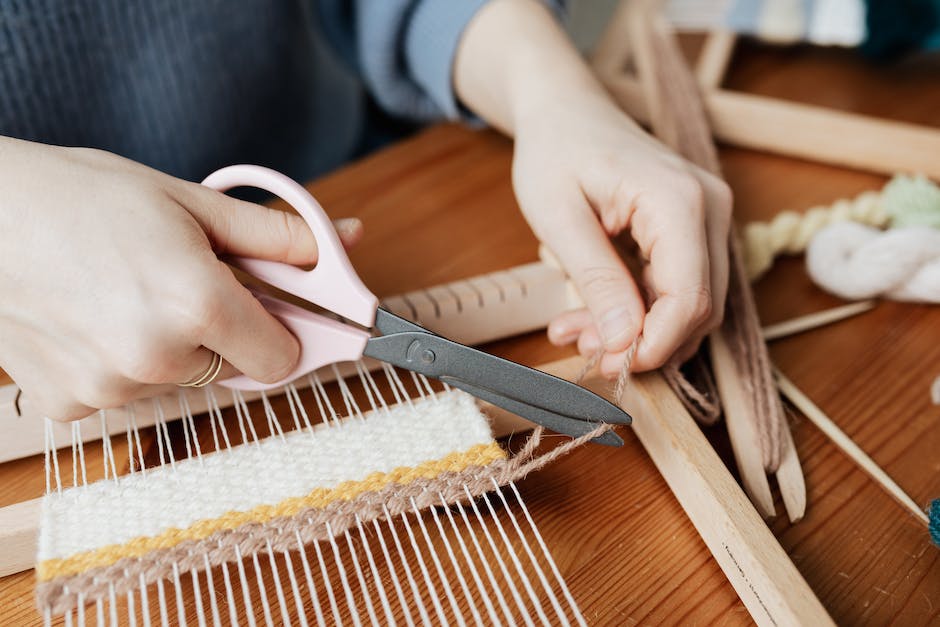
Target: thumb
{"x":245,"y":229}
{"x":602,"y":279}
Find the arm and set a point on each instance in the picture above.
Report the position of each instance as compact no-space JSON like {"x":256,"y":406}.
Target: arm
{"x":584,"y":172}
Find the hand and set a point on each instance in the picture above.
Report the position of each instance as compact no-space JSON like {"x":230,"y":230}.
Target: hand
{"x":111,"y":282}
{"x":582,"y":172}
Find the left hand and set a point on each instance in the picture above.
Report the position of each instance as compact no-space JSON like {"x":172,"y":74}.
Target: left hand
{"x":583,"y":172}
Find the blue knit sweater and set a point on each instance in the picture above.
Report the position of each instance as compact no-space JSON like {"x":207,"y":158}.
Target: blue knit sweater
{"x":187,"y":86}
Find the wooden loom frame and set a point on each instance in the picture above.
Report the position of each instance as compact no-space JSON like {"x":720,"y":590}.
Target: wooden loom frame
{"x":755,"y":564}
{"x":770,"y":124}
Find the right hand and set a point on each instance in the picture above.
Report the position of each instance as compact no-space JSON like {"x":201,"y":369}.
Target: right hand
{"x":111,"y":283}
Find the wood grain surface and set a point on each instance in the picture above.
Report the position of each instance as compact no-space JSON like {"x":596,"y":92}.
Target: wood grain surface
{"x":439,"y":207}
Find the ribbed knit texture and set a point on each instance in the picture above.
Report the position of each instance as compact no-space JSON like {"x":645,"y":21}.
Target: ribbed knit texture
{"x":189,"y":86}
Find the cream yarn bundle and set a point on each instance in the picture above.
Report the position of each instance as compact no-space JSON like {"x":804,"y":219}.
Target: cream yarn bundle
{"x":904,"y":201}
{"x":856,"y":261}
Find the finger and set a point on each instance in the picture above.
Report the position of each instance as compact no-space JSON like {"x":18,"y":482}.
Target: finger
{"x":602,"y":279}
{"x":566,"y":327}
{"x":718,"y":223}
{"x":718,"y":200}
{"x":589,"y":342}
{"x":245,"y":229}
{"x":680,"y":276}
{"x":201,"y":365}
{"x":350,"y":231}
{"x":688,"y":350}
{"x":612,"y":363}
{"x":243,"y":332}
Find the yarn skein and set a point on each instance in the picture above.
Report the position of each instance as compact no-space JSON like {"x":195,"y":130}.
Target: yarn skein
{"x":904,"y":201}
{"x":856,"y":261}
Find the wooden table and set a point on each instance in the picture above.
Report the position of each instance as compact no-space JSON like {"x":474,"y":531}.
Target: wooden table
{"x":439,"y":207}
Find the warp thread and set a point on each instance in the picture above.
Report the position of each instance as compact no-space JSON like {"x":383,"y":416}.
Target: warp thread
{"x":856,"y":261}
{"x":904,"y":201}
{"x":61,"y":594}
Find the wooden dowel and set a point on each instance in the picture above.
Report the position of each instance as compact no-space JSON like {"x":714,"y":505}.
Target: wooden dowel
{"x":762,"y":574}
{"x":19,"y":529}
{"x":611,"y":53}
{"x":715,"y":57}
{"x":846,"y":445}
{"x":804,"y":131}
{"x":742,"y":428}
{"x":790,"y":480}
{"x":815,"y":320}
{"x":739,"y":357}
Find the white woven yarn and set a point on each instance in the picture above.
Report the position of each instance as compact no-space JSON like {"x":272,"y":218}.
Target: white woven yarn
{"x":89,"y":517}
{"x":855,"y":261}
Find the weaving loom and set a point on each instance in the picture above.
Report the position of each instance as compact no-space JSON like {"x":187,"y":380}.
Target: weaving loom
{"x":474,"y":556}
{"x":235,"y":512}
{"x":189,"y":513}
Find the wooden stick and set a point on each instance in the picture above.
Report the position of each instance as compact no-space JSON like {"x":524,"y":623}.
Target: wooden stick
{"x":765,"y":579}
{"x":611,"y":53}
{"x":804,"y":131}
{"x":815,"y":320}
{"x":742,"y":429}
{"x":762,"y":574}
{"x":19,"y":528}
{"x":715,"y":57}
{"x":739,"y":356}
{"x":752,"y":559}
{"x":846,"y":445}
{"x":790,"y":480}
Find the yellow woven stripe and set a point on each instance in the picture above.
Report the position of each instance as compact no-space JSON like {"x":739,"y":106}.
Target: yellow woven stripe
{"x":479,"y":455}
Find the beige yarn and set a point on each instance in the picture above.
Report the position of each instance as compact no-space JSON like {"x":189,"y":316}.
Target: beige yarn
{"x":790,"y":232}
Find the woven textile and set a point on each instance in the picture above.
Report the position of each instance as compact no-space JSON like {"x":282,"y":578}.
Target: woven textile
{"x":114,"y":532}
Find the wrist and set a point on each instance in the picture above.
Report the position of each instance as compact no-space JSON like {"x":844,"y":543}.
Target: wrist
{"x":514,"y":59}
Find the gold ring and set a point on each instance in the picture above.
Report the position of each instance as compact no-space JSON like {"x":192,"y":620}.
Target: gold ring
{"x":208,"y":376}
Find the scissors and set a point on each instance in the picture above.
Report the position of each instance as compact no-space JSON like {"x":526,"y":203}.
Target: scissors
{"x":333,"y":285}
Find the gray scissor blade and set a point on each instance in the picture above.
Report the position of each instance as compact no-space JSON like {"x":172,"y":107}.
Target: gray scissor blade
{"x":440,"y":358}
{"x":550,"y":420}
{"x":388,"y":323}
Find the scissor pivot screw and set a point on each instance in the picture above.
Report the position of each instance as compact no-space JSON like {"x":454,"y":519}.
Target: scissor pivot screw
{"x":428,"y":356}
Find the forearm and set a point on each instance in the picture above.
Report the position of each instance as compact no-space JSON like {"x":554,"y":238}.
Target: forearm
{"x":514,"y":59}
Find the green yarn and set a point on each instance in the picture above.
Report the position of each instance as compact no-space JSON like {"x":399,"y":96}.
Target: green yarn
{"x":912,"y":201}
{"x":934,"y":513}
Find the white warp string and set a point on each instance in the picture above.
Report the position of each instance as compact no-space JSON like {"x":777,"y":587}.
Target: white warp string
{"x":468,"y":561}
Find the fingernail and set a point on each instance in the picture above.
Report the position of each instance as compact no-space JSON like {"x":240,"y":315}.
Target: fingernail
{"x":616,"y":325}
{"x":348,"y":226}
{"x":562,"y":334}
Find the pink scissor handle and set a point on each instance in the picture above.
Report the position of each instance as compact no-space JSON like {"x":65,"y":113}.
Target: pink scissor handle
{"x":333,"y":284}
